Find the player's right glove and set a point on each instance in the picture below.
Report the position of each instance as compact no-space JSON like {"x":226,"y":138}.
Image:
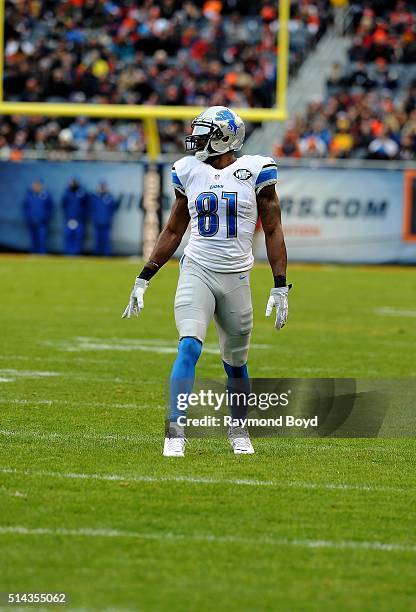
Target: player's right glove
{"x":279,"y":299}
{"x":136,"y":303}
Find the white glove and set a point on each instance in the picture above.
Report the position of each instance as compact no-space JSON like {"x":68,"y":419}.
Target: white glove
{"x":278,"y":298}
{"x":136,"y":303}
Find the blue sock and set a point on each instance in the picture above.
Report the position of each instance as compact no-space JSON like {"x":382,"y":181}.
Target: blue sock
{"x":183,"y":374}
{"x":241,"y":386}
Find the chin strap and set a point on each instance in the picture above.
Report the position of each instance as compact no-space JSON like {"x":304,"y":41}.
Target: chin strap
{"x":204,"y":154}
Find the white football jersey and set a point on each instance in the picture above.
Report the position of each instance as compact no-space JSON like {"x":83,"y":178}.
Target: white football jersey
{"x":223,"y":208}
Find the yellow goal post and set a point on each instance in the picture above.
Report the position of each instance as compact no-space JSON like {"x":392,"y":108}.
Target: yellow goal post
{"x":151,"y":114}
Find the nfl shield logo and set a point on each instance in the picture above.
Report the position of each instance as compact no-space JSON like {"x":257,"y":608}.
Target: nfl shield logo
{"x":217,"y":177}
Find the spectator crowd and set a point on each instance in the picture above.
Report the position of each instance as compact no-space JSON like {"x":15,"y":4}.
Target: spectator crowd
{"x":196,"y":52}
{"x":204,"y":52}
{"x":370,"y":108}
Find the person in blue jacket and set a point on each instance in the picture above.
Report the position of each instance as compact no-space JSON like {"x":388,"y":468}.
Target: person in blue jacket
{"x":37,"y":210}
{"x":75,"y":206}
{"x":102,"y":208}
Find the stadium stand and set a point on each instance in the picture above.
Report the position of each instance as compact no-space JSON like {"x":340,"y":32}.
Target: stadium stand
{"x":202,"y":52}
{"x":370,"y":108}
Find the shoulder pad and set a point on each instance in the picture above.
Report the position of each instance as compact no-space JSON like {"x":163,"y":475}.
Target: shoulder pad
{"x":180,"y":172}
{"x":266,"y":171}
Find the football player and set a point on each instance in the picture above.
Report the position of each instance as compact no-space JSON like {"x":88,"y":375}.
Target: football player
{"x":221,"y":196}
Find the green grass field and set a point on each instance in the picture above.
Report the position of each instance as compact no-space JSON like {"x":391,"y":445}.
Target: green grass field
{"x":89,"y":506}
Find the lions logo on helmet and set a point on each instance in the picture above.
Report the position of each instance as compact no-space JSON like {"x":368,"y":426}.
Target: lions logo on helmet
{"x":214,"y":132}
{"x":227,"y":115}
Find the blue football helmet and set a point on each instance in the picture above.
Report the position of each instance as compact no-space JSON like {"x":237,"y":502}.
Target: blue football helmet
{"x":215,"y":131}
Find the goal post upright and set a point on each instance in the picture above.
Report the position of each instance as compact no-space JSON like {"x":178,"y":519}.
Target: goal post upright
{"x":2,"y":24}
{"x":282,"y":59}
{"x":151,"y":114}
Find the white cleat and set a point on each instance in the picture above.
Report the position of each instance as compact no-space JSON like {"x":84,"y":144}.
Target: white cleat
{"x":240,"y":441}
{"x":174,"y":447}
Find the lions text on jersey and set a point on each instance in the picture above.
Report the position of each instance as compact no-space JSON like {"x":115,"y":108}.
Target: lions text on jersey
{"x":223,"y":208}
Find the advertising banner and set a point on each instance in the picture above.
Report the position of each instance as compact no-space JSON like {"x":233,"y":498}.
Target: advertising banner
{"x":344,"y":215}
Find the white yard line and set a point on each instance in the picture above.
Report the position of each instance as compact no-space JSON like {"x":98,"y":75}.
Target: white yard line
{"x":53,"y":436}
{"x":102,"y":346}
{"x":27,"y":373}
{"x":157,"y":342}
{"x":207,"y":480}
{"x":258,"y":540}
{"x":208,"y":348}
{"x":395,"y":312}
{"x":77,"y":404}
{"x":10,"y":374}
{"x":4,"y":401}
{"x":55,"y":359}
{"x":86,"y":343}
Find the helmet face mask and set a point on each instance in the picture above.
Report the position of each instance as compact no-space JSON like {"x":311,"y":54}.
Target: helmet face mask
{"x":216,"y":131}
{"x":202,"y":134}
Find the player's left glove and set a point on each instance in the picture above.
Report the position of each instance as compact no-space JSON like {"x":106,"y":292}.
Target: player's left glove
{"x":136,"y":303}
{"x":279,"y":299}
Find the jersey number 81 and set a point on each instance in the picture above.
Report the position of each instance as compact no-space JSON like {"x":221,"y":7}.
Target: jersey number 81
{"x":206,"y":205}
